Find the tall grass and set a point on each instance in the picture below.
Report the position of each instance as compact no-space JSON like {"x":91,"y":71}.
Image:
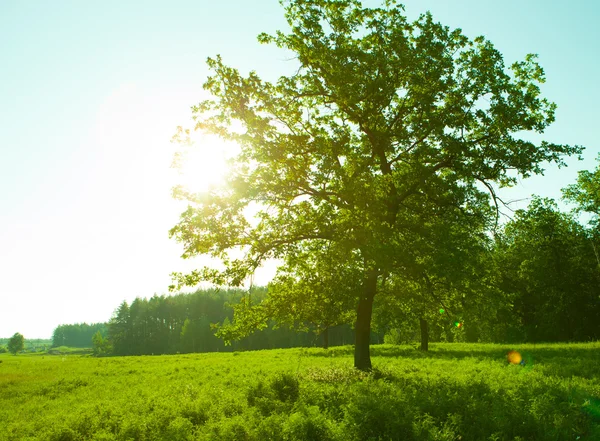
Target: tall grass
{"x":453,"y":392}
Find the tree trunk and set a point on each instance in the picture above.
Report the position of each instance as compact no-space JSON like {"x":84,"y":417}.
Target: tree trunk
{"x":326,"y":338}
{"x":424,"y":334}
{"x":362,"y":355}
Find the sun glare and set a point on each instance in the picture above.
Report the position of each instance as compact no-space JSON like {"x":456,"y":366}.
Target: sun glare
{"x":204,"y":164}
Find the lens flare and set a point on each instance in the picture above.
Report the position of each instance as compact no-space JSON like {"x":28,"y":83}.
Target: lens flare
{"x":514,"y":357}
{"x":442,"y":310}
{"x":458,"y":324}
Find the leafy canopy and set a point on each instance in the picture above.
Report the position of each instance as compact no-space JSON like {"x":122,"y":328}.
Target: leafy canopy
{"x":586,"y":192}
{"x":547,"y":270}
{"x":388,"y":132}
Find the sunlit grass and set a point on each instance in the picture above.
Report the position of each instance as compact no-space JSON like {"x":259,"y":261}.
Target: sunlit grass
{"x":455,"y":391}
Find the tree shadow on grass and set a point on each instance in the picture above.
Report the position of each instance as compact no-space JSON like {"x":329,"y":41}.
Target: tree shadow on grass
{"x":560,"y":360}
{"x":462,"y":350}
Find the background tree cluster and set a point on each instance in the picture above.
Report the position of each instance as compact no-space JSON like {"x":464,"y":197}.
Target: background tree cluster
{"x":537,"y":279}
{"x":78,"y":335}
{"x":548,"y":276}
{"x":183,"y":323}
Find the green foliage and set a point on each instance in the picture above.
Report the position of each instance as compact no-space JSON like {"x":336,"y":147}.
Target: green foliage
{"x":16,"y":343}
{"x":454,"y":391}
{"x":78,"y":335}
{"x":37,"y":344}
{"x":378,"y":146}
{"x":313,"y":290}
{"x":120,"y":330}
{"x":309,"y":423}
{"x":100,"y":345}
{"x":31,"y":344}
{"x":548,"y":275}
{"x":66,"y":350}
{"x":295,"y":304}
{"x":406,"y":334}
{"x":188,"y":322}
{"x":586,"y":192}
{"x":277,"y":394}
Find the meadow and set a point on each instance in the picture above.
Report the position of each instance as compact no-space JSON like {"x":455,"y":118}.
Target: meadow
{"x":453,"y":392}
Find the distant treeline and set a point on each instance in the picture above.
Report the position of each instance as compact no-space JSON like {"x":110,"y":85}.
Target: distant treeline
{"x":78,"y":335}
{"x":30,"y":344}
{"x":182,"y":323}
{"x":536,"y":280}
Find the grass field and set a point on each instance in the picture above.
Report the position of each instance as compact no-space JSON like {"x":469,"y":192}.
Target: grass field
{"x":454,"y":392}
{"x":65,"y":350}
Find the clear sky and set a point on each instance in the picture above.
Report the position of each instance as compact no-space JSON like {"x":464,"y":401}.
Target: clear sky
{"x":91,"y":94}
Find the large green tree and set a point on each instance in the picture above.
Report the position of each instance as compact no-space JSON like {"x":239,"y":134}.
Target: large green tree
{"x":16,"y":343}
{"x":388,"y":130}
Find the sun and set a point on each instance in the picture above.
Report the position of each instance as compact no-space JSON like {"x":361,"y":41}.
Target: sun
{"x":203,"y":163}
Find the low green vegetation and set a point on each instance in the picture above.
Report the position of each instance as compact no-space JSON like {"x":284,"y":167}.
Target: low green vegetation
{"x":452,"y":392}
{"x":63,"y":350}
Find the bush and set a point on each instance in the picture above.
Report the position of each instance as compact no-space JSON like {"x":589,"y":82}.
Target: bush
{"x":275,"y":395}
{"x":308,"y":424}
{"x":286,"y":387}
{"x":376,"y":410}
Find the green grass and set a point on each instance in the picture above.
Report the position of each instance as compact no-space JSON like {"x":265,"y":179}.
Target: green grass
{"x":70,"y":350}
{"x":454,"y":392}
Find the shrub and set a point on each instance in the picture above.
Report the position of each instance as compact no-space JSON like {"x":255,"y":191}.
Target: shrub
{"x":308,"y":424}
{"x":376,"y":410}
{"x":286,"y":387}
{"x":275,"y":395}
{"x":180,"y":429}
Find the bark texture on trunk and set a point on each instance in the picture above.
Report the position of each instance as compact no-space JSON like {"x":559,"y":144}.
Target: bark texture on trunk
{"x":326,"y":338}
{"x":362,"y":355}
{"x":424,"y":334}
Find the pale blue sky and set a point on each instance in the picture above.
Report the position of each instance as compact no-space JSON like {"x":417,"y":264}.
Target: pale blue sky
{"x":91,"y":93}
